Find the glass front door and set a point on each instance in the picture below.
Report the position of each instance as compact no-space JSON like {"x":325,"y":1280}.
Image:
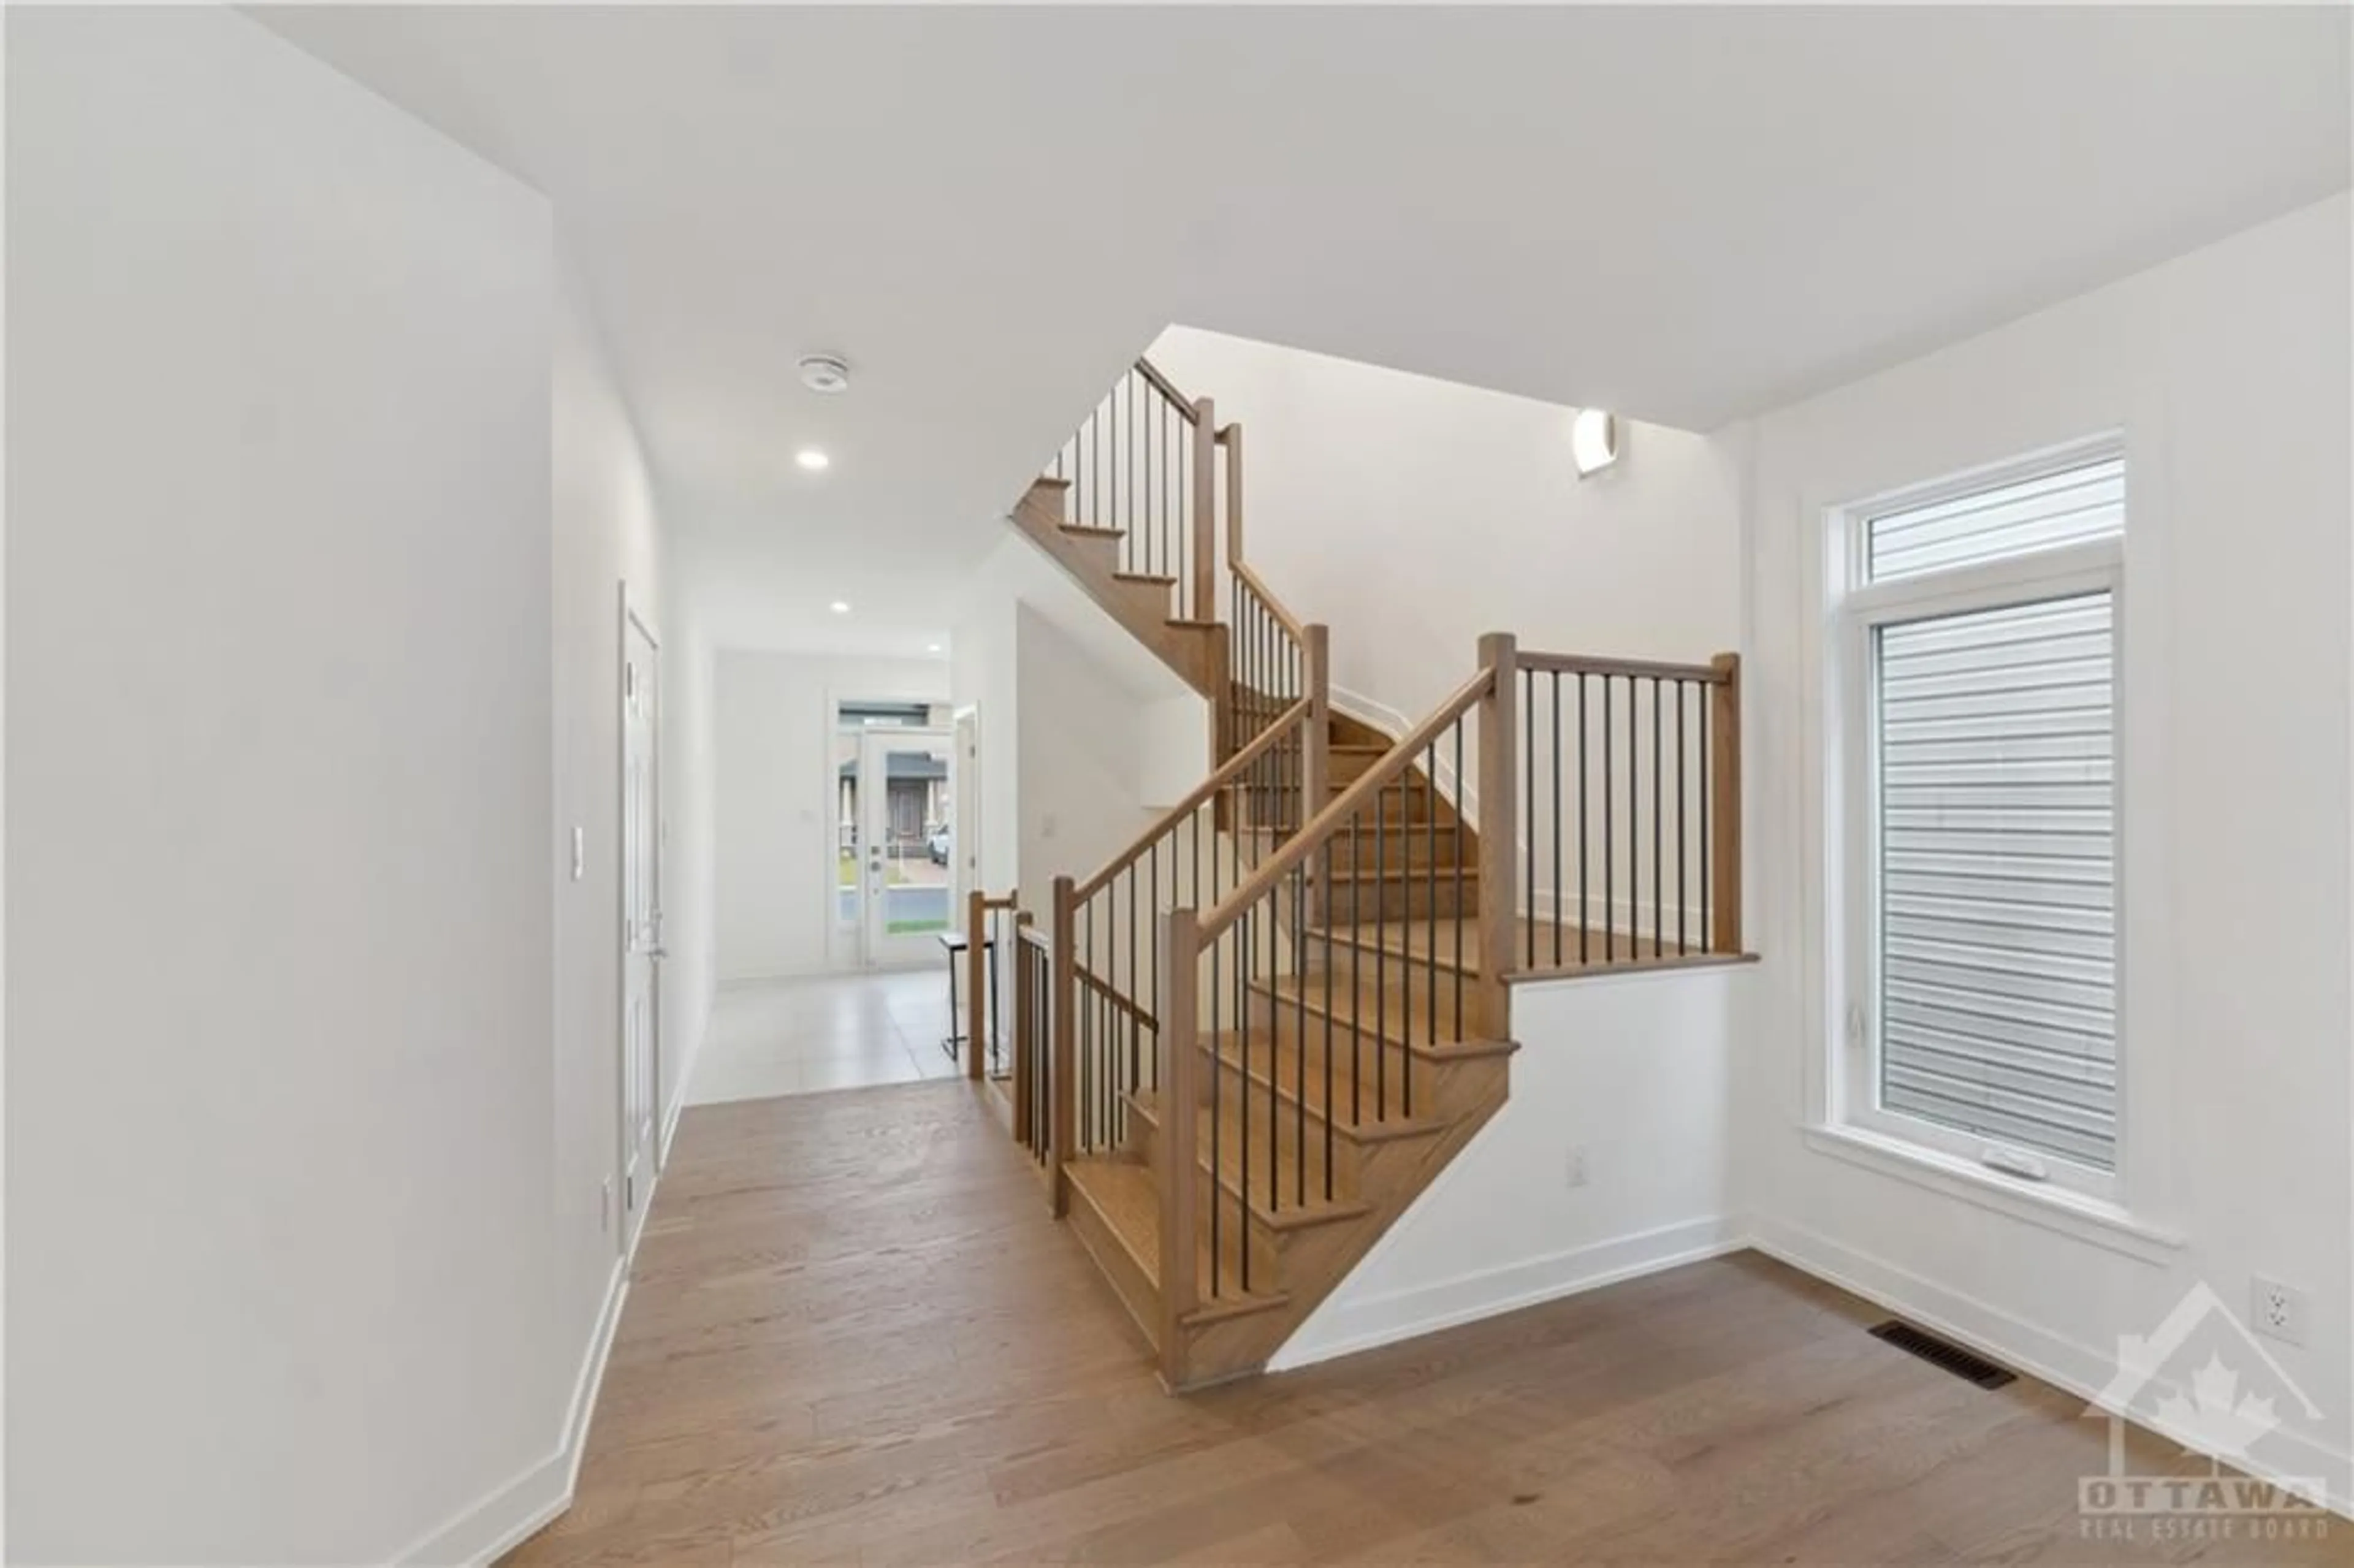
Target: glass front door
{"x":898,"y":858}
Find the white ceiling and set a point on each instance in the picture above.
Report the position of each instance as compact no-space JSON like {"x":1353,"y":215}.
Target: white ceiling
{"x":1687,"y":215}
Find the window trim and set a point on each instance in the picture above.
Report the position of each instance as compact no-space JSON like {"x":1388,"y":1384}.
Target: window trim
{"x":1858,"y":610}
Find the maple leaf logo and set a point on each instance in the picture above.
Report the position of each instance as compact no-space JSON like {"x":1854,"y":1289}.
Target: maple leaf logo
{"x":2216,"y":1416}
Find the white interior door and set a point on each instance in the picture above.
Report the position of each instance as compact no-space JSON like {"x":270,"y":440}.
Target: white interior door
{"x":642,"y":948}
{"x":907,"y":847}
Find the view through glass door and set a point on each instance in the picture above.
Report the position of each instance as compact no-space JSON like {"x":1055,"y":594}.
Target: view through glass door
{"x":895,"y":832}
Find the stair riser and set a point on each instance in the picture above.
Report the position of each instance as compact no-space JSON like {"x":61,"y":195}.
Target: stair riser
{"x":1228,"y":1080}
{"x":1136,"y":1292}
{"x":1396,"y":806}
{"x":1404,"y":898}
{"x":1266,"y":1246}
{"x":1398,"y":1018}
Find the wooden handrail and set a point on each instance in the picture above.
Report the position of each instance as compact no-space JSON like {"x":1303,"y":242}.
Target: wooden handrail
{"x":1642,"y":669}
{"x":1114,"y":995}
{"x":1284,"y":617}
{"x":1201,"y":794}
{"x":1166,"y":387}
{"x":1324,"y":824}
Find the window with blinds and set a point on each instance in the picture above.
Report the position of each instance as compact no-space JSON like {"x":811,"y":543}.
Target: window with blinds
{"x":1994,"y":822}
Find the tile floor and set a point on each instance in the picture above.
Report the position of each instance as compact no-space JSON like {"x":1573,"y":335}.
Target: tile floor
{"x":830,"y":1032}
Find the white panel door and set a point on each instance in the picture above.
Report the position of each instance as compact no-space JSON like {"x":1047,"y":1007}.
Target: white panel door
{"x":642,"y":948}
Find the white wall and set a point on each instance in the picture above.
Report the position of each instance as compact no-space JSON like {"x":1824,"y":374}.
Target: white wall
{"x":606,"y":534}
{"x":690,"y":976}
{"x":1411,"y":515}
{"x":2228,"y":370}
{"x":1631,"y":1076}
{"x":1084,"y":733}
{"x":774,"y":810}
{"x":280,"y":785}
{"x":1082,"y":755}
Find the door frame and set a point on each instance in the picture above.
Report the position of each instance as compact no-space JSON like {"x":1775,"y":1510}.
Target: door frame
{"x":624,"y":1231}
{"x":845,"y":946}
{"x":964,"y":725}
{"x":876,"y":953}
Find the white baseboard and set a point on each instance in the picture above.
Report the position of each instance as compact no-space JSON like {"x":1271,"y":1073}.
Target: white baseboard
{"x":669,"y":1127}
{"x":2081,"y":1370}
{"x":498,"y":1523}
{"x":1349,"y":1325}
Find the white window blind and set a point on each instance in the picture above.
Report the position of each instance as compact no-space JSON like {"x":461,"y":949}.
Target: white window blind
{"x":2064,"y":508}
{"x":1994,"y":826}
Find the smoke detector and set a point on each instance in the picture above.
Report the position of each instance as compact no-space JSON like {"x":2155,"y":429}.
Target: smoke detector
{"x":825,"y":373}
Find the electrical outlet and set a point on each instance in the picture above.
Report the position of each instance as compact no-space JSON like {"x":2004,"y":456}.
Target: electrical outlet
{"x":2278,"y":1312}
{"x":605,"y":1204}
{"x":580,"y":853}
{"x":1576,"y":1165}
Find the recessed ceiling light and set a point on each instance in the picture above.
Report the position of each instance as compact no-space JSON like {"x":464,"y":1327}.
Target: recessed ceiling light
{"x":931,"y":647}
{"x":826,"y":373}
{"x":839,"y":607}
{"x":1593,"y":441}
{"x":812,"y":458}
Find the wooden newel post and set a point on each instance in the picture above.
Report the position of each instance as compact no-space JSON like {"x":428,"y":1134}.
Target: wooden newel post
{"x":1316,"y":759}
{"x":976,"y":974}
{"x":1025,"y":1029}
{"x":1725,"y":805}
{"x":1062,"y":1077}
{"x":1179,"y":1045}
{"x":1203,"y":604}
{"x":1232,"y":439}
{"x":1498,"y":823}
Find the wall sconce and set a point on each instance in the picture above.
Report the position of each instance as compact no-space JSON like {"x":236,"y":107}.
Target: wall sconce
{"x":1593,"y":441}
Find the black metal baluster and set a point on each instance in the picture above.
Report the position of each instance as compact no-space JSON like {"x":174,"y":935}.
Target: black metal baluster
{"x":1356,"y":973}
{"x":1245,"y":958}
{"x":1325,"y":890}
{"x":1457,"y":837}
{"x":1153,"y":912}
{"x":1609,"y":840}
{"x":1683,"y":842}
{"x":1707,"y":888}
{"x":1585,"y":887}
{"x":1299,"y":1041}
{"x":1431,"y":890}
{"x":1217,"y":1105}
{"x":1528,"y":799}
{"x":1381,"y":955}
{"x":1659,"y":859}
{"x":1557,"y":749}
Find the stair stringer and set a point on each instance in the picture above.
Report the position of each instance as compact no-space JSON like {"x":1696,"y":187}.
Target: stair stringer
{"x":1195,"y":651}
{"x":1240,"y":1345}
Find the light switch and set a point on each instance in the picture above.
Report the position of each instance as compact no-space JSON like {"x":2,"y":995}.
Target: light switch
{"x":579,"y":854}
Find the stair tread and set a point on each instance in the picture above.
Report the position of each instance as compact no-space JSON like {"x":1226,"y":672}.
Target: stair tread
{"x":1410,"y":939}
{"x":1376,"y":1110}
{"x":1128,"y":1198}
{"x":1391,"y":1008}
{"x":1441,"y":874}
{"x":1288,"y":1209}
{"x":1088,"y":530}
{"x":1157,"y":579}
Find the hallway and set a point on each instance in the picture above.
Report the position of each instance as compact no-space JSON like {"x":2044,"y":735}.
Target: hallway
{"x":853,"y":1335}
{"x":825,"y":1032}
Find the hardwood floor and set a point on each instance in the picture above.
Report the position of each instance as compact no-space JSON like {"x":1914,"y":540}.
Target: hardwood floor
{"x":854,"y":1336}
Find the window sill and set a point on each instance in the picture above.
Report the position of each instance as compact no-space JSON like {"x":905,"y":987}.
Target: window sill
{"x":2104,"y":1224}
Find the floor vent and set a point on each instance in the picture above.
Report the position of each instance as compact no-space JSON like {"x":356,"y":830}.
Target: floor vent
{"x":1938,"y":1353}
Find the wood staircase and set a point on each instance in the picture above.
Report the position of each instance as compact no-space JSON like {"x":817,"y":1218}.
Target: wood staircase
{"x":1320,"y":1109}
{"x":1244,"y":1046}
